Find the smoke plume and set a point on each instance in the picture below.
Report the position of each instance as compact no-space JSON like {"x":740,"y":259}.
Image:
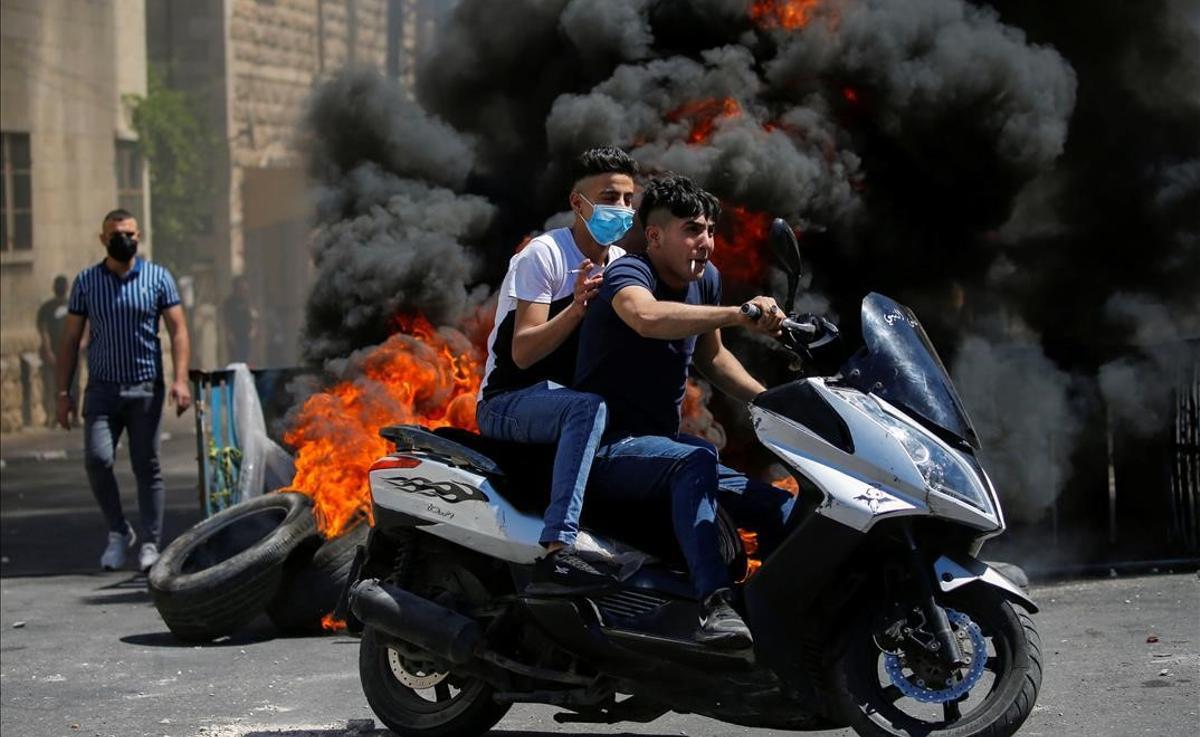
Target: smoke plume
{"x":1021,"y":405}
{"x":1030,"y":159}
{"x":1137,"y":388}
{"x":395,"y":236}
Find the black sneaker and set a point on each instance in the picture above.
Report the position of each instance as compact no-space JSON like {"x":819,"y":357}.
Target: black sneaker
{"x":565,"y":572}
{"x":720,"y":625}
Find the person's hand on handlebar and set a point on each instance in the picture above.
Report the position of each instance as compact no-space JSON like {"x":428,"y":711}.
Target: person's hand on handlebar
{"x":763,"y":315}
{"x":805,"y":326}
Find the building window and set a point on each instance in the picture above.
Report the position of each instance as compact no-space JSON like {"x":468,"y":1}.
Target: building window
{"x":16,"y":194}
{"x":131,"y":195}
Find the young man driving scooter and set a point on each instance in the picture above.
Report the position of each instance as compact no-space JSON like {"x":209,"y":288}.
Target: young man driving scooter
{"x":656,"y":315}
{"x":532,"y":349}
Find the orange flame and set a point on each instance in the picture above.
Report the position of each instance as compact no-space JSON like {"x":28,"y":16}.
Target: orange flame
{"x":741,"y":250}
{"x":417,"y":376}
{"x":750,"y":545}
{"x":695,"y":417}
{"x":788,"y":484}
{"x":332,"y":624}
{"x":702,"y":116}
{"x":790,"y":15}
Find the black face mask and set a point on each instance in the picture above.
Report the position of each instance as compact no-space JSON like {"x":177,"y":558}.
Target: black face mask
{"x":122,"y":247}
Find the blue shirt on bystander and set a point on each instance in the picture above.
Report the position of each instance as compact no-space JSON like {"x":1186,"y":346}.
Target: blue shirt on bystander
{"x":124,"y":313}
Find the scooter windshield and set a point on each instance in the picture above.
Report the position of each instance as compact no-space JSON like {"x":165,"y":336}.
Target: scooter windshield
{"x":901,"y":366}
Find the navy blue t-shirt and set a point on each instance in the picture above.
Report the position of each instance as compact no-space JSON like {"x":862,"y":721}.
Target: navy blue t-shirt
{"x":642,"y":380}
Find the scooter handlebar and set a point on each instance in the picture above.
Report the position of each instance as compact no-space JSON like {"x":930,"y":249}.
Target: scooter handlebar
{"x":754,"y":312}
{"x":751,"y":311}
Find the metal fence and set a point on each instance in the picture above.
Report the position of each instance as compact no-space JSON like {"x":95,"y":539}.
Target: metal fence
{"x":218,"y":452}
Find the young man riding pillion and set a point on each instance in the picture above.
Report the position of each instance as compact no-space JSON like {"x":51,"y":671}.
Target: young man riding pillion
{"x":532,"y":349}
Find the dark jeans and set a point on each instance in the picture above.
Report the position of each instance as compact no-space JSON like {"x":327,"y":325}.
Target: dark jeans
{"x":684,"y":474}
{"x":550,"y":413}
{"x":108,"y":410}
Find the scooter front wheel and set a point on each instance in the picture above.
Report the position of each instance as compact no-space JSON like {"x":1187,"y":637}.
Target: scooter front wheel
{"x":895,"y":694}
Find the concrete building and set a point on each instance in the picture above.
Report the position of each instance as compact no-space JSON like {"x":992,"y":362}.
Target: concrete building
{"x":251,"y":64}
{"x":68,"y":157}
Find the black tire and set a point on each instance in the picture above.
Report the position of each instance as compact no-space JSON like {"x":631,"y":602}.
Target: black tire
{"x":221,"y":573}
{"x":469,"y":713}
{"x":864,"y":702}
{"x":313,"y":579}
{"x":414,"y":711}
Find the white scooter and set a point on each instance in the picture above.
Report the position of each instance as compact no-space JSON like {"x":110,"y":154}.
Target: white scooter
{"x":873,"y":612}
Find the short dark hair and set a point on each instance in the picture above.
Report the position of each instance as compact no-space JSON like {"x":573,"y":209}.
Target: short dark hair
{"x":679,"y":196}
{"x":602,"y":160}
{"x":60,"y":284}
{"x":119,"y":215}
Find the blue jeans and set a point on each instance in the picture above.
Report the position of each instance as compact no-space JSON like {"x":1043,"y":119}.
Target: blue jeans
{"x":550,"y":413}
{"x":108,"y":410}
{"x":643,"y":472}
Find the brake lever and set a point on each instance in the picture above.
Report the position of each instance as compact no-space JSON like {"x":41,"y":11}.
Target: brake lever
{"x":805,"y":328}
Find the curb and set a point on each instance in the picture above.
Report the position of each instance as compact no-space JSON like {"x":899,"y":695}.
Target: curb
{"x":34,"y":456}
{"x":59,"y":454}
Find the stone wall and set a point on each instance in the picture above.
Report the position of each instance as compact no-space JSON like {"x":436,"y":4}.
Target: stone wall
{"x":64,"y":66}
{"x":11,"y":393}
{"x":278,"y":52}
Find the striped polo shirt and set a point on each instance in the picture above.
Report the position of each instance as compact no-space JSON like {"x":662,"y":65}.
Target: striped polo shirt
{"x":123,"y":313}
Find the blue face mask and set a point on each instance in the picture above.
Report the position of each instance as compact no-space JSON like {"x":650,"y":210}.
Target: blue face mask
{"x":608,"y":223}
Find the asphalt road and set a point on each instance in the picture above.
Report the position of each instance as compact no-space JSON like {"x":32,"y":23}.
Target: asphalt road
{"x":85,"y":653}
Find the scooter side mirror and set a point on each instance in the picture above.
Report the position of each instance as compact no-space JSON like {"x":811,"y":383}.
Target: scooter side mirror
{"x":785,"y":247}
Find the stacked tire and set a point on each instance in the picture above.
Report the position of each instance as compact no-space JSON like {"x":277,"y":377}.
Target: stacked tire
{"x":264,"y":554}
{"x":313,"y":579}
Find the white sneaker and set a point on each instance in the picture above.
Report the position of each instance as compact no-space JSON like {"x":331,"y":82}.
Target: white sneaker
{"x":114,"y":553}
{"x":147,"y":556}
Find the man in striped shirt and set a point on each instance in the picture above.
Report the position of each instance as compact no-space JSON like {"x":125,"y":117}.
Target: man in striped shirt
{"x":122,"y":299}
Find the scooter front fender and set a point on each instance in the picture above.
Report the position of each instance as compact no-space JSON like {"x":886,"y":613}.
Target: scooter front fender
{"x":953,"y":574}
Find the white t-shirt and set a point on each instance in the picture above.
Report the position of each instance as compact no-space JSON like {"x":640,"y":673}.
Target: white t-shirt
{"x":543,"y":272}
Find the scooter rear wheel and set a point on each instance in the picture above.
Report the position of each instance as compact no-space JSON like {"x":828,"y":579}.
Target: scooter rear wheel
{"x":414,"y":700}
{"x":404,"y":688}
{"x":998,"y":699}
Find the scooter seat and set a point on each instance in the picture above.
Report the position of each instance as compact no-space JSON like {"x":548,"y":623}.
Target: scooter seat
{"x":519,"y":471}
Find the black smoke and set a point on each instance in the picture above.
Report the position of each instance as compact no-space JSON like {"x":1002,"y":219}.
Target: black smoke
{"x":1023,"y":174}
{"x":395,"y":234}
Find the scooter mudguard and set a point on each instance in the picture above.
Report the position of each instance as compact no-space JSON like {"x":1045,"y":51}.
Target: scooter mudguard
{"x":954,"y":574}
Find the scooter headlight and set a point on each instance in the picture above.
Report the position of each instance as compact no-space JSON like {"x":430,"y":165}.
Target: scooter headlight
{"x":942,"y":470}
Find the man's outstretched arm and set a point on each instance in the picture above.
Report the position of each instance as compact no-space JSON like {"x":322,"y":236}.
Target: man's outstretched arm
{"x":723,"y":369}
{"x":664,"y":320}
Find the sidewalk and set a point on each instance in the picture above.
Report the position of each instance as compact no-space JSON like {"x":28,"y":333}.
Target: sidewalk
{"x":46,"y":444}
{"x":50,"y":524}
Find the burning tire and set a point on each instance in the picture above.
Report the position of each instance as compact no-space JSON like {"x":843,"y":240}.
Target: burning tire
{"x":312,"y":581}
{"x":221,"y":573}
